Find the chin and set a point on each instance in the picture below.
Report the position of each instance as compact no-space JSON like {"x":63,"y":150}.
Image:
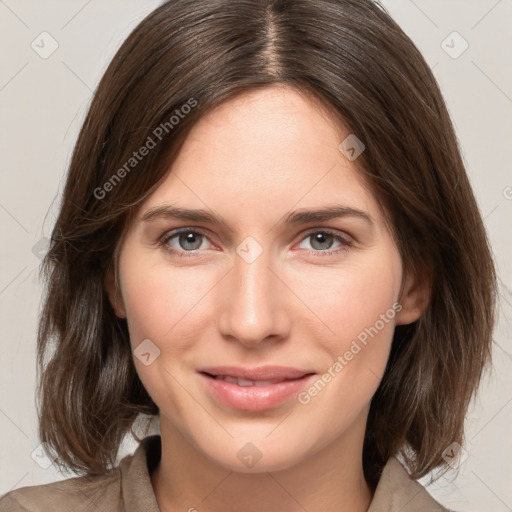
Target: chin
{"x":259,"y":455}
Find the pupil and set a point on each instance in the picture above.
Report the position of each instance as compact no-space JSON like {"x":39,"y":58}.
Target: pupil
{"x":188,"y":238}
{"x":321,"y":239}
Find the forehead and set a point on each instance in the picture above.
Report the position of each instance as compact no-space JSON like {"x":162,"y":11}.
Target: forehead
{"x":263,"y":153}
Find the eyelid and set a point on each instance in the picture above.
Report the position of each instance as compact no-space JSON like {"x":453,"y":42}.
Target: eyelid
{"x":334,"y":232}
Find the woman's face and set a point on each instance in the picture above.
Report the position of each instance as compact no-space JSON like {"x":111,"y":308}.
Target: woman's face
{"x":253,"y":282}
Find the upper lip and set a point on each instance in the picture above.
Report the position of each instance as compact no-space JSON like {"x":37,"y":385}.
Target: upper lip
{"x":257,"y":373}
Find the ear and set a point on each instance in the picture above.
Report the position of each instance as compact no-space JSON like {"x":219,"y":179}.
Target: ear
{"x":114,"y":293}
{"x":414,"y":299}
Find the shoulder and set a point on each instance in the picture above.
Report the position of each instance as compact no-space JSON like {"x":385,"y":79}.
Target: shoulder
{"x":396,"y":490}
{"x":125,"y":488}
{"x":79,"y":494}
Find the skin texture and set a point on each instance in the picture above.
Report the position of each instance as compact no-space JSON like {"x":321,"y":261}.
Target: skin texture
{"x":254,"y":160}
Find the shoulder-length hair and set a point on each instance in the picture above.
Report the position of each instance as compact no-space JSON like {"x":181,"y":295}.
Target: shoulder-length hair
{"x":182,"y":60}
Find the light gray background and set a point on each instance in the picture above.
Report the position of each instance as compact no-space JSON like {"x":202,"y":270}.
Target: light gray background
{"x":43,"y":101}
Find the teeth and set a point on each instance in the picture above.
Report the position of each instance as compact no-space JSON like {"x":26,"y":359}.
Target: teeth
{"x":264,"y":382}
{"x":244,"y":382}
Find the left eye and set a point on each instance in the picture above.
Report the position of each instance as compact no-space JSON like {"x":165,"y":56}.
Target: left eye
{"x":322,"y":240}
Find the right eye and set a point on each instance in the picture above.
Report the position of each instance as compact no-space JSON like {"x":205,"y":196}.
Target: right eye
{"x":183,"y":241}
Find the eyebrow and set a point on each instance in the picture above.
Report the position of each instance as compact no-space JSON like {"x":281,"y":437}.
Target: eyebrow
{"x":297,"y":217}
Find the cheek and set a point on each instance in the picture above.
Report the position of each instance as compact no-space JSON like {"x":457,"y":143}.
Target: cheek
{"x":357,"y":303}
{"x":162,"y":305}
{"x":350,"y":298}
{"x":158,"y":300}
{"x":361,"y":312}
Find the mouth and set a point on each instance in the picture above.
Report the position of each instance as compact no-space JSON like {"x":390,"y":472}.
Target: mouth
{"x":256,"y":389}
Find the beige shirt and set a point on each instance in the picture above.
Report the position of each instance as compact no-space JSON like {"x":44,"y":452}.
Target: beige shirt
{"x":127,"y":488}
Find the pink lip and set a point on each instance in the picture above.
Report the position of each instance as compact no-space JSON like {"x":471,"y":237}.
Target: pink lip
{"x":255,"y":398}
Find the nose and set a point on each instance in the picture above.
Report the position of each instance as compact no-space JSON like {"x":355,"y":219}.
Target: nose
{"x":252,"y":303}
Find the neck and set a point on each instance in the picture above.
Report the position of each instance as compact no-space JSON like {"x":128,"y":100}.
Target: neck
{"x":330,"y":480}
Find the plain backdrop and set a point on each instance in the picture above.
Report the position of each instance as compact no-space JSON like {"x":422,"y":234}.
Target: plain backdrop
{"x":43,"y":99}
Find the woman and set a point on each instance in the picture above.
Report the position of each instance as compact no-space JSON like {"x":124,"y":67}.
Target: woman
{"x":268,"y":240}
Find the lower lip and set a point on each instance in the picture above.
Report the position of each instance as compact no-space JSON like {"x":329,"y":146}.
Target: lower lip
{"x":254,"y":398}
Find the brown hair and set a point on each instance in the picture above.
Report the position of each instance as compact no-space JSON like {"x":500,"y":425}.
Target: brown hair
{"x":353,"y":57}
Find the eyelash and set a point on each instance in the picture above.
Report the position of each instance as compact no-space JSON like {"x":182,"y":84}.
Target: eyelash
{"x":163,"y":242}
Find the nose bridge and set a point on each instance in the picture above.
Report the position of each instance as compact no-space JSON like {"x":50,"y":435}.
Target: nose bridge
{"x":252,"y":306}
